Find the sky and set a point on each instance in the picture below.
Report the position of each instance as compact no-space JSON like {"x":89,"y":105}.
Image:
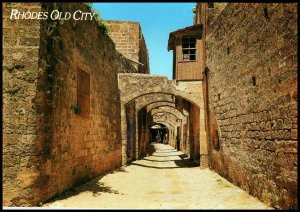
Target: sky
{"x":157,"y":20}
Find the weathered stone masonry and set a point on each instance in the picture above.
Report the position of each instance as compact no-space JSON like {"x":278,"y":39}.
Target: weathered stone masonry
{"x":184,"y":96}
{"x":252,"y":97}
{"x":130,"y":42}
{"x":21,"y":131}
{"x":73,"y":107}
{"x":60,"y":104}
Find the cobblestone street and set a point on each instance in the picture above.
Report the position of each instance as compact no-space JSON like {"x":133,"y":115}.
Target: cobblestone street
{"x":164,"y":180}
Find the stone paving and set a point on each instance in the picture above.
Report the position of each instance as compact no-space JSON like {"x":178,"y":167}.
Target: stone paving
{"x":165,"y":179}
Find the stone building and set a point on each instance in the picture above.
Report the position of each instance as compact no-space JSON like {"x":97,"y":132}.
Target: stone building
{"x":66,"y":86}
{"x":185,"y":115}
{"x":78,"y":102}
{"x":60,"y":102}
{"x":130,"y":42}
{"x":250,"y":88}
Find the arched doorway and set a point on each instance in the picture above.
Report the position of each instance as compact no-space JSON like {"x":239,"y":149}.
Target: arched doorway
{"x":142,"y":105}
{"x":159,"y":133}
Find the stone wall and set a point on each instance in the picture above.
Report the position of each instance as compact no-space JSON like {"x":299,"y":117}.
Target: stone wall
{"x":252,"y":97}
{"x":130,"y":42}
{"x":143,"y":55}
{"x":131,"y":128}
{"x":61,"y":102}
{"x":21,"y":107}
{"x":123,"y":65}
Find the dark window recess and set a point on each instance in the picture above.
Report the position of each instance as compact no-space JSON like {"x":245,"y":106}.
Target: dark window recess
{"x":83,"y":92}
{"x":189,"y":48}
{"x":219,"y":97}
{"x":210,"y":5}
{"x":253,"y":81}
{"x":228,"y":50}
{"x":266,"y":14}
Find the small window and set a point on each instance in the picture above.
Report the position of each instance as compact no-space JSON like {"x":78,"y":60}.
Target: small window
{"x":254,"y":81}
{"x":189,"y":48}
{"x":266,"y":14}
{"x":83,"y":92}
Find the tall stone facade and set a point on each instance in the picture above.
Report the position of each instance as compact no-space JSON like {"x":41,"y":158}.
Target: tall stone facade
{"x":130,"y":42}
{"x":60,"y":104}
{"x":22,"y":151}
{"x":251,"y":85}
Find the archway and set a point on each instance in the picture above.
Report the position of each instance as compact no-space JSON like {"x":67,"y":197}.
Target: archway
{"x":159,"y":133}
{"x":186,"y":98}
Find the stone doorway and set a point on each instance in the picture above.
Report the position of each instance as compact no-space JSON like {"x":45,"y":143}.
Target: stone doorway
{"x":159,"y":134}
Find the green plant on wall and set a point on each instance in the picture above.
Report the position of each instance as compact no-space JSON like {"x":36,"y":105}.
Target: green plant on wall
{"x":102,"y":26}
{"x":53,"y":24}
{"x":89,"y":4}
{"x":50,"y":27}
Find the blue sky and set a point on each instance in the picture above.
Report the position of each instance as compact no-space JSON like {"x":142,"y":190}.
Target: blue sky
{"x":157,"y":20}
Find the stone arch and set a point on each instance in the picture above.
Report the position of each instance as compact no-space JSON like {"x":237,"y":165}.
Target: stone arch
{"x":135,"y":86}
{"x":184,"y":125}
{"x":178,"y":122}
{"x":170,"y":132}
{"x":158,"y":104}
{"x":130,"y":87}
{"x":167,"y":112}
{"x":173,"y":132}
{"x":190,"y":99}
{"x":165,"y":104}
{"x":165,"y":123}
{"x":147,"y":99}
{"x":163,"y":133}
{"x":169,"y":109}
{"x":169,"y":118}
{"x":165,"y":118}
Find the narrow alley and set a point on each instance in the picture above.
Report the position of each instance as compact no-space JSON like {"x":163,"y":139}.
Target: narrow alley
{"x":162,"y":180}
{"x":88,"y":122}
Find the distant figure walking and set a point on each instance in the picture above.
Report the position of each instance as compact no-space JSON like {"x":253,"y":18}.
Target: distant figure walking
{"x":165,"y":138}
{"x":157,"y":138}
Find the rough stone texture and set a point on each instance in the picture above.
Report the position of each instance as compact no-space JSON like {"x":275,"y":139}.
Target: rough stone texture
{"x":48,"y":146}
{"x":130,"y":84}
{"x":146,"y":100}
{"x":252,"y":87}
{"x":130,"y":42}
{"x":159,"y":89}
{"x":159,"y":104}
{"x":123,"y":65}
{"x":21,"y":148}
{"x":172,"y":110}
{"x":166,"y":118}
